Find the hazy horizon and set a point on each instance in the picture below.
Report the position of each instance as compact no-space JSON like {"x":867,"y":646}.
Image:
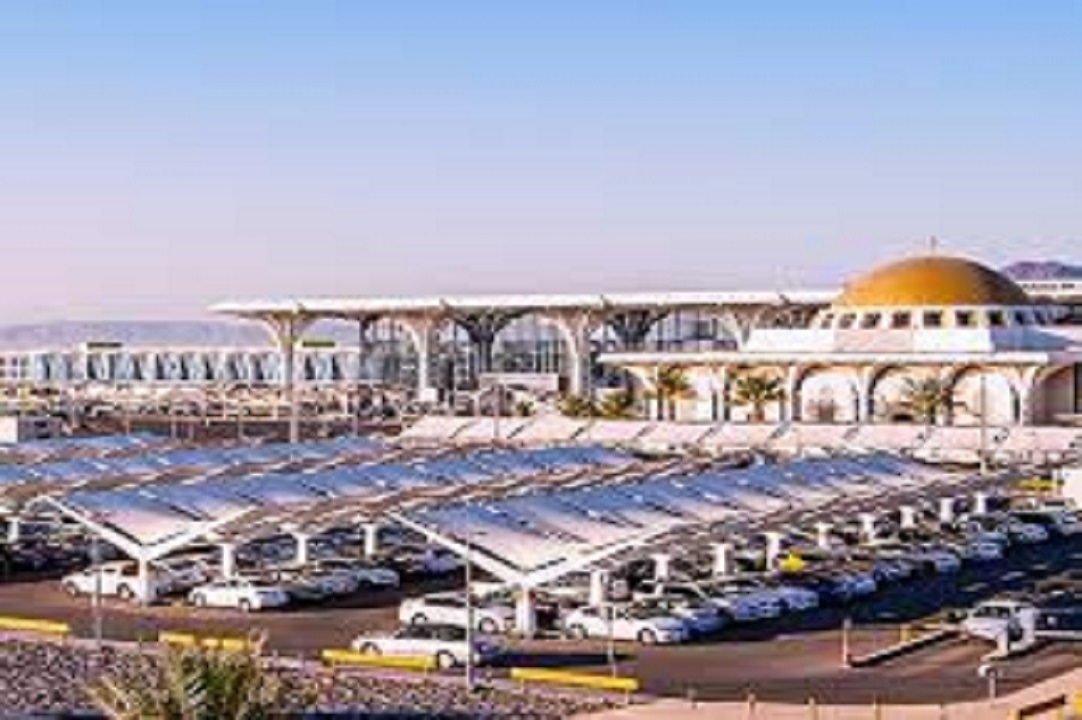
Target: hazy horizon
{"x":159,"y":158}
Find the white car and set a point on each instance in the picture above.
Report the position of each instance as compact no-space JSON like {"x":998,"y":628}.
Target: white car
{"x":733,"y":604}
{"x":245,"y":594}
{"x":993,"y":618}
{"x":978,"y":549}
{"x":701,"y":617}
{"x":792,"y":597}
{"x":1025,"y":533}
{"x":365,"y":573}
{"x":446,"y":644}
{"x":932,"y":557}
{"x":180,"y":574}
{"x":450,"y":609}
{"x":113,"y":579}
{"x":325,"y":582}
{"x":638,"y":623}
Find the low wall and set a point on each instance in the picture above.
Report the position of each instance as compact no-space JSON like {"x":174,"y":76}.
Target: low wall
{"x":1003,"y":708}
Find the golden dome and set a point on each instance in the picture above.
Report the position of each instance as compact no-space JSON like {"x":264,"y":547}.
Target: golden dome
{"x":932,"y":281}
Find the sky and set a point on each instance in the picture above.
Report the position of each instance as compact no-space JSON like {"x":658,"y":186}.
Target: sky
{"x":157,"y":157}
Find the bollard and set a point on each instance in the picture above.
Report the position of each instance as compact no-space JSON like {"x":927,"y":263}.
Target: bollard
{"x":847,"y":625}
{"x":813,"y":709}
{"x":877,"y":709}
{"x":692,"y":696}
{"x":751,"y":705}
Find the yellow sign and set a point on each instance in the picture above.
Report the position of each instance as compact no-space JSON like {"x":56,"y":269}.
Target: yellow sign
{"x":792,"y":563}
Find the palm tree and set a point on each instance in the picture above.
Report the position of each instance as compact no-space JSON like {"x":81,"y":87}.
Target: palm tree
{"x":617,"y":405}
{"x":925,"y":397}
{"x":577,"y":406}
{"x":758,"y":391}
{"x":670,"y":384}
{"x":195,"y":684}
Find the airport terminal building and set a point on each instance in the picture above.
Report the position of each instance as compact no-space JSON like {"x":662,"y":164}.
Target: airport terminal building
{"x":839,"y":356}
{"x":972,"y":333}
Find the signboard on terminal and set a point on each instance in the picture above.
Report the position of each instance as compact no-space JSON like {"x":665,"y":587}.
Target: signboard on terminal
{"x":102,"y":346}
{"x":317,"y":344}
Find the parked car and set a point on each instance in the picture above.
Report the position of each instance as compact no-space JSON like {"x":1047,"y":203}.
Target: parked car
{"x":445,"y":644}
{"x":242,"y":593}
{"x":702,"y":618}
{"x":732,"y":604}
{"x":1057,"y":521}
{"x":929,"y":557}
{"x":450,"y":609}
{"x":181,"y":574}
{"x":977,"y":549}
{"x":367,"y":574}
{"x":992,"y":618}
{"x":419,"y":561}
{"x":791,"y":598}
{"x":117,"y":579}
{"x":644,"y":623}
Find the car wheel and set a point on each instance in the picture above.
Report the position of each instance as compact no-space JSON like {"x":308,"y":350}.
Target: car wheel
{"x":125,"y":592}
{"x":418,"y":619}
{"x":245,"y":605}
{"x":578,"y":632}
{"x":445,"y":660}
{"x":648,"y":637}
{"x":488,"y":626}
{"x":71,"y":589}
{"x":370,"y":649}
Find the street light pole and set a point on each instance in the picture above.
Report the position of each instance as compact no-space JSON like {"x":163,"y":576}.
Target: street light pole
{"x":984,"y":423}
{"x":95,"y":601}
{"x":469,"y":609}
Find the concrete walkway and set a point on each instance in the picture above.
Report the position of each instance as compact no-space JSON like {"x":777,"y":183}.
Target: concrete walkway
{"x":1000,"y":709}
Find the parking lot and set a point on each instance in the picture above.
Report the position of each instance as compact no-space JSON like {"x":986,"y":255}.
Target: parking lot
{"x":779,"y":555}
{"x":790,"y":659}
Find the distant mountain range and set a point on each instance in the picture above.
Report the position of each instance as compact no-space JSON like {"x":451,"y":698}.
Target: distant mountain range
{"x":1043,"y":270}
{"x":71,"y":334}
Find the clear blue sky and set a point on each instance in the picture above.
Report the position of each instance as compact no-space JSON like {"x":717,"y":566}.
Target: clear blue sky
{"x":158,"y":156}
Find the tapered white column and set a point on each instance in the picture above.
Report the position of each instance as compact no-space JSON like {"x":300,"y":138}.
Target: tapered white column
{"x":909,"y":517}
{"x":723,"y":560}
{"x":371,"y":539}
{"x":599,"y":584}
{"x":867,"y":526}
{"x":662,"y":566}
{"x":229,"y":559}
{"x":303,"y":554}
{"x":822,"y":535}
{"x":15,"y":532}
{"x":946,"y":510}
{"x":773,"y":549}
{"x":525,"y":614}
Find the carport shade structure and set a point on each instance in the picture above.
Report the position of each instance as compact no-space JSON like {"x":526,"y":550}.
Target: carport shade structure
{"x":150,"y":520}
{"x":527,"y":539}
